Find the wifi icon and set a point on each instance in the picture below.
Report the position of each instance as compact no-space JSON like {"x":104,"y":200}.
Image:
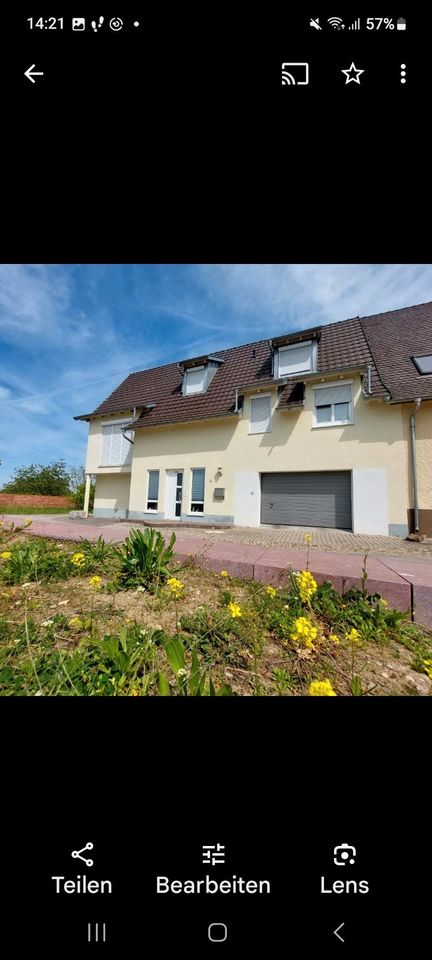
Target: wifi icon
{"x":336,"y":23}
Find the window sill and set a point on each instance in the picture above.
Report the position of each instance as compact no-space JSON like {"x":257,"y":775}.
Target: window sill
{"x":196,"y":513}
{"x":257,"y":433}
{"x":339,"y":423}
{"x":298,"y":373}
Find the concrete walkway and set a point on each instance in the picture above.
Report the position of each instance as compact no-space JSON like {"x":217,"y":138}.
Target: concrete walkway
{"x":404,"y":581}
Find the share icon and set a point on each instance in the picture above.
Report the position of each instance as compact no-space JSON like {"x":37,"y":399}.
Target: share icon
{"x":76,"y":854}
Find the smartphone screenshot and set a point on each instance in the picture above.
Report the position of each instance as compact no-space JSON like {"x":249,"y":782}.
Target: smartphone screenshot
{"x":215,"y":461}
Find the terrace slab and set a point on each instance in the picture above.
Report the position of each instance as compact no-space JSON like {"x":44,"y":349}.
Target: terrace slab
{"x":192,"y":547}
{"x":380,"y":579}
{"x":419,"y":576}
{"x":238,"y":559}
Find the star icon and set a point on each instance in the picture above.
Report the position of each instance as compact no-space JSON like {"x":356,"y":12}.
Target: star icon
{"x":353,"y":73}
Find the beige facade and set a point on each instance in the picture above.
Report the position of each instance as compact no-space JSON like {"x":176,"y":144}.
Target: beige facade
{"x":375,"y":448}
{"x":423,"y":430}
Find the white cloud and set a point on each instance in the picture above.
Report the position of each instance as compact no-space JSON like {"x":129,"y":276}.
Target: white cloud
{"x":294,"y":294}
{"x":36,"y":301}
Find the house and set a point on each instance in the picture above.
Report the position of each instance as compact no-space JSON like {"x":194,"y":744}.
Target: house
{"x":327,"y":427}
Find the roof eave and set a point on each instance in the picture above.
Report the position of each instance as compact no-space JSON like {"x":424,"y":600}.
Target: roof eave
{"x":393,"y":400}
{"x":181,"y":423}
{"x":296,"y":337}
{"x":98,"y":414}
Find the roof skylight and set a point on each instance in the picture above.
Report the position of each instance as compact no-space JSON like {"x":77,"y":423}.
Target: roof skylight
{"x":423,"y":364}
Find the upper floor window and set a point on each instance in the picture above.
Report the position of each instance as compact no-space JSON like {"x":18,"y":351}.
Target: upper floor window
{"x":194,"y":380}
{"x":295,"y":358}
{"x":116,"y":451}
{"x":333,"y":404}
{"x":423,"y":364}
{"x":260,"y":414}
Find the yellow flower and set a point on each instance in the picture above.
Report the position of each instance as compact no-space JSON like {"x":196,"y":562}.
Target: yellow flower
{"x":234,"y":610}
{"x":78,"y":559}
{"x":383,"y":603}
{"x":308,"y":537}
{"x":321,"y":688}
{"x":353,"y":636}
{"x":224,"y":573}
{"x":307,"y":585}
{"x":6,"y":555}
{"x":271,"y":591}
{"x":304,"y":632}
{"x":428,"y":667}
{"x":75,"y":622}
{"x":95,"y":582}
{"x":333,"y":638}
{"x":175,"y":587}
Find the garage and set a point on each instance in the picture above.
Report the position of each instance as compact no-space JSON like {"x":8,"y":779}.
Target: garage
{"x":307,"y":499}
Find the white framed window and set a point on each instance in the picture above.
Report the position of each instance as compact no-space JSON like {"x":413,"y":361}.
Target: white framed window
{"x":296,"y":358}
{"x":116,"y":451}
{"x":197,"y":490}
{"x":260,"y":413}
{"x":333,"y":404}
{"x":153,"y":490}
{"x":194,"y":380}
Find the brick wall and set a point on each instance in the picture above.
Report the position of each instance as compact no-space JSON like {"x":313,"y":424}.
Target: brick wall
{"x":33,"y":500}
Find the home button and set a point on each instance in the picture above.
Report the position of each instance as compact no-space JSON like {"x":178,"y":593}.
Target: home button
{"x":217,"y":932}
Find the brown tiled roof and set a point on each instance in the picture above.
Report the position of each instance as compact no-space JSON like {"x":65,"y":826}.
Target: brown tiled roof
{"x":384,"y":342}
{"x":393,"y":339}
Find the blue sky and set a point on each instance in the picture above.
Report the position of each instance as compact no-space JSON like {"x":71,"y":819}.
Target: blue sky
{"x":70,"y":333}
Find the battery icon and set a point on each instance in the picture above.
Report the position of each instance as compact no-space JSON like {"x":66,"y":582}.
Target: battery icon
{"x":401,"y":24}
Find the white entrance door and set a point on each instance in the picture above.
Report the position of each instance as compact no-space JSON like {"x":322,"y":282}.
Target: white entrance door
{"x":173,"y":495}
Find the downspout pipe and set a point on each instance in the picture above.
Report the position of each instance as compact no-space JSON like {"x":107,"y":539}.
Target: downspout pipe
{"x":414,"y":463}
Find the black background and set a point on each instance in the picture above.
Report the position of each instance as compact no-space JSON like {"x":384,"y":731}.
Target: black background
{"x":177,"y":143}
{"x":280,"y":782}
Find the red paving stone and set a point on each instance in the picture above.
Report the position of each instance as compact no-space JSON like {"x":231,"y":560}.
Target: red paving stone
{"x":399,"y":580}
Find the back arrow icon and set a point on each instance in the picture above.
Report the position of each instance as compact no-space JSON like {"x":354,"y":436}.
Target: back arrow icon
{"x":31,"y":73}
{"x":337,"y":934}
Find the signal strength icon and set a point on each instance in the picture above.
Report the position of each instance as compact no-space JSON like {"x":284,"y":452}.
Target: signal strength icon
{"x":336,"y":23}
{"x":355,"y":25}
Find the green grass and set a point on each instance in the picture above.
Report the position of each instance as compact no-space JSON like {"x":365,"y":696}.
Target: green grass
{"x":4,"y":510}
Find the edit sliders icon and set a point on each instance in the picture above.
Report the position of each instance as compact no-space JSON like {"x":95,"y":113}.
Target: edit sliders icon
{"x":295,"y":73}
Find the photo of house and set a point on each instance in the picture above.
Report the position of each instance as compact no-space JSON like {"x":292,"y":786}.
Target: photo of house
{"x":328,"y":426}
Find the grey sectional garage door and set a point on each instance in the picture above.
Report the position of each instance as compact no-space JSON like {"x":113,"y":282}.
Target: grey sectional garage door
{"x":307,"y":499}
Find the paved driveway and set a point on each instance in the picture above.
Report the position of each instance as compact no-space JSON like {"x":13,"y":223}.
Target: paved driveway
{"x":333,"y":541}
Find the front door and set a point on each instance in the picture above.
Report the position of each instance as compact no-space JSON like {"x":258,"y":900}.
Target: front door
{"x":174,"y":493}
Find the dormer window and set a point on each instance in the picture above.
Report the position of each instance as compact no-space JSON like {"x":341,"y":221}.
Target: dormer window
{"x":295,"y":358}
{"x":198,"y":374}
{"x":194,"y":380}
